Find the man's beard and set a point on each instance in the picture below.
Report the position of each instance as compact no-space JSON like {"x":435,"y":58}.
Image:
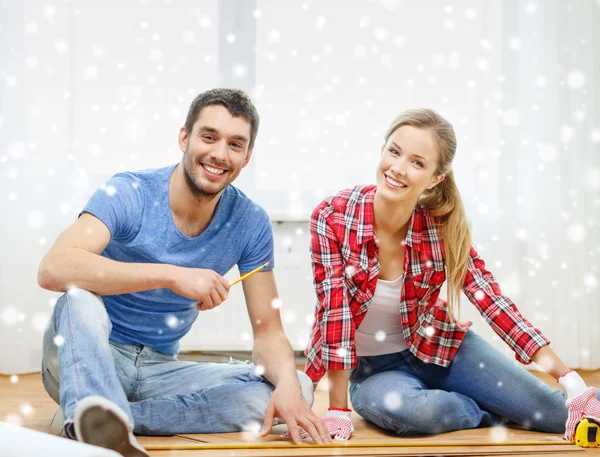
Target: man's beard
{"x":196,"y":190}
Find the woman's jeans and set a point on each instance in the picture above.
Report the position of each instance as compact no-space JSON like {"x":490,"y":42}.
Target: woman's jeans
{"x":161,"y":395}
{"x":481,"y":388}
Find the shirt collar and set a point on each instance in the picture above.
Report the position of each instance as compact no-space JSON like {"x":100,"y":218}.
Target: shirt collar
{"x":366,"y":222}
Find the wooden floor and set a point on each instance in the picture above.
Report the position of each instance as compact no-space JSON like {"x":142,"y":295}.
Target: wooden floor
{"x":25,"y":402}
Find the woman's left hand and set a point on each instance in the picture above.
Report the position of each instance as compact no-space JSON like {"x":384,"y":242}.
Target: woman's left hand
{"x":585,"y":405}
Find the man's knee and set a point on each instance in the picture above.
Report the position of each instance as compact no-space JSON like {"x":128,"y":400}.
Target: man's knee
{"x":82,"y":311}
{"x":88,"y":306}
{"x":307,"y":387}
{"x":77,"y":295}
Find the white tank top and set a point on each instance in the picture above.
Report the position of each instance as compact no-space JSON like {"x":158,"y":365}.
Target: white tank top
{"x":380,"y":332}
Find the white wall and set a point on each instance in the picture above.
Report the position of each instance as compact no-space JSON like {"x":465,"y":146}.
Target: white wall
{"x":87,"y":90}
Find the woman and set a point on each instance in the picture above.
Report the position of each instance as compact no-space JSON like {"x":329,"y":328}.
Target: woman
{"x":380,"y":257}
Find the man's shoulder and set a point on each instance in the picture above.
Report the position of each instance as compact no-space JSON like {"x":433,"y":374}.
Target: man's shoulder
{"x":146,"y":174}
{"x":242,"y":206}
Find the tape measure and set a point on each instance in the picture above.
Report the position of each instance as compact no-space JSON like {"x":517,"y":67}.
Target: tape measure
{"x":587,"y":433}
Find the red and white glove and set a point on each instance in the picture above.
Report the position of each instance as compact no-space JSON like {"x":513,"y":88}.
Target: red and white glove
{"x":581,"y":401}
{"x":338,"y":424}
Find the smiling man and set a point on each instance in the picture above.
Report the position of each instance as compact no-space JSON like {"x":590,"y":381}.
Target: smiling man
{"x":147,"y":253}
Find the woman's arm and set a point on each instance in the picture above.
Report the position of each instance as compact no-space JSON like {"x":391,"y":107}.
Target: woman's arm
{"x":549,"y":362}
{"x":332,"y":337}
{"x":338,"y":388}
{"x":528,"y":342}
{"x":482,"y":289}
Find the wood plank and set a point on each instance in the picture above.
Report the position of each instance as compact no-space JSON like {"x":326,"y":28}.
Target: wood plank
{"x":27,"y":402}
{"x":433,"y":451}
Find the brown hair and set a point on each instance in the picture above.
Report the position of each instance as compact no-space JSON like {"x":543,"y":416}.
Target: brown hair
{"x":236,"y":101}
{"x":443,"y":201}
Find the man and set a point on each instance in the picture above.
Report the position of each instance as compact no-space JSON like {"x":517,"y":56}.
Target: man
{"x":147,"y":252}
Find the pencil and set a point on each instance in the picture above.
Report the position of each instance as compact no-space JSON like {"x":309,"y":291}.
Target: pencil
{"x":241,"y":278}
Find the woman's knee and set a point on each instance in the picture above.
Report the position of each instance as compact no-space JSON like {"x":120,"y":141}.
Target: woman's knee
{"x":401,"y":412}
{"x":552,"y":418}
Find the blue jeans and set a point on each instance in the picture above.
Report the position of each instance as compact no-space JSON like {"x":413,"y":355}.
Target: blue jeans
{"x":161,"y":395}
{"x":481,"y":388}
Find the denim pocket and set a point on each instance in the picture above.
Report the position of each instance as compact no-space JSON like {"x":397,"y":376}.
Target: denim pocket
{"x":47,"y":375}
{"x":51,"y":385}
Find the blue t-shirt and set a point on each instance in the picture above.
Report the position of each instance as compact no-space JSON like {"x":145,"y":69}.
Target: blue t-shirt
{"x":135,"y":208}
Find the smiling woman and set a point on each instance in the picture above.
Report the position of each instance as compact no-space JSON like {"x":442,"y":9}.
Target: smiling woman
{"x":416,"y":166}
{"x":380,"y":256}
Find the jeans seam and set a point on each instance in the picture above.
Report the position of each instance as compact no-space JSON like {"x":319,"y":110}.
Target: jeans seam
{"x":391,"y":421}
{"x":73,"y":348}
{"x":198,"y":392}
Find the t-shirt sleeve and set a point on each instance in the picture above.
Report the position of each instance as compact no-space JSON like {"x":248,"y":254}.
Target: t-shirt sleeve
{"x":119,"y":204}
{"x":259,"y":245}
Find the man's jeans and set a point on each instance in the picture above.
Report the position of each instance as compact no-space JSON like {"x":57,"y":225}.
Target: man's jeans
{"x":161,"y":394}
{"x":481,"y":388}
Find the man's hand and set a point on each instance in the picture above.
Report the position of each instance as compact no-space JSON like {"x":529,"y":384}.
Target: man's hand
{"x":207,"y":287}
{"x":338,"y":425}
{"x":296,"y":413}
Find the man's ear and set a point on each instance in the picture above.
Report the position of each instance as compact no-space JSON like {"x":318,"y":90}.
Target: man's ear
{"x":183,"y":139}
{"x":248,"y":155}
{"x":436,"y":180}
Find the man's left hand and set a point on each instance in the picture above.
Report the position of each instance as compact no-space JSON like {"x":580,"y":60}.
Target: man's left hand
{"x":296,"y":413}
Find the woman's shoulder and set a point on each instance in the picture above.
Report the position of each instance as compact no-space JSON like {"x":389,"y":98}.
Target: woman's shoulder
{"x":425,"y":216}
{"x":346,"y":199}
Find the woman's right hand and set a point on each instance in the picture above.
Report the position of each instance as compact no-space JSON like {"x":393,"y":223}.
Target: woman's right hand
{"x":338,"y":424}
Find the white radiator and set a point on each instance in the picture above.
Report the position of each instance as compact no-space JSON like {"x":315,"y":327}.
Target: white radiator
{"x":227,"y":327}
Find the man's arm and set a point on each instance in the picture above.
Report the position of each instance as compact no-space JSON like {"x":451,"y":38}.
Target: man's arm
{"x":75,"y":261}
{"x":273,"y":352}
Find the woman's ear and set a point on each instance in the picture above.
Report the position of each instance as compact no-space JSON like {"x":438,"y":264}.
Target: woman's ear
{"x":436,"y":180}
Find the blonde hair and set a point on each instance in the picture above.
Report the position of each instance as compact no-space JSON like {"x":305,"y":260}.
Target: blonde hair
{"x":443,"y":201}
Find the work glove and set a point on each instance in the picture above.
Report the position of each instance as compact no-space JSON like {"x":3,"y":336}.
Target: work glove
{"x":581,"y":401}
{"x":338,"y":424}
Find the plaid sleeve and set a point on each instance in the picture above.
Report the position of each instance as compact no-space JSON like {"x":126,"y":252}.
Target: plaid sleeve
{"x":333,"y":316}
{"x":500,"y":312}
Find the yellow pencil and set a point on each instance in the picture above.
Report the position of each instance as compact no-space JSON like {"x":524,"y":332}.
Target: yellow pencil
{"x":241,"y":278}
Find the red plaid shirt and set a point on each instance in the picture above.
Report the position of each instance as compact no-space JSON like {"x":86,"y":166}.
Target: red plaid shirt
{"x":346,"y":266}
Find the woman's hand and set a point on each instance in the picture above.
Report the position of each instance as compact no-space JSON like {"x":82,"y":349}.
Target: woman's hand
{"x":581,"y":401}
{"x":338,"y":425}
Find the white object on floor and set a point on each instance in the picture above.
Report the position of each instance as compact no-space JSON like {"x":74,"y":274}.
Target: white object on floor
{"x":18,"y":441}
{"x":57,"y":426}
